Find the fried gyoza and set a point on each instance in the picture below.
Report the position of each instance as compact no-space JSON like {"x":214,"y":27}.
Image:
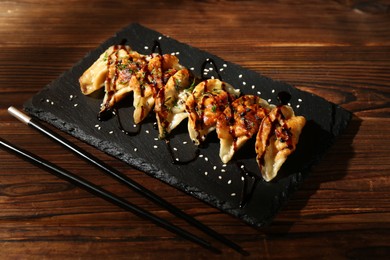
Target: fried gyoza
{"x":155,"y":75}
{"x":239,"y":122}
{"x":277,"y":138}
{"x":207,"y":101}
{"x":170,"y":102}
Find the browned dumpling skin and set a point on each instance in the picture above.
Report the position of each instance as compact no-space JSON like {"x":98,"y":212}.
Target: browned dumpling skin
{"x":239,"y":122}
{"x":95,"y":76}
{"x":155,"y":75}
{"x":170,"y":102}
{"x":207,"y":101}
{"x":276,"y":139}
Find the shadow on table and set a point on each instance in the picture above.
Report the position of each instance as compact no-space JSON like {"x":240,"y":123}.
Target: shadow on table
{"x":338,"y":154}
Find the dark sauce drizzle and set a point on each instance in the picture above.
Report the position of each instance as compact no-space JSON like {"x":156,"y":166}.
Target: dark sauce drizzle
{"x":212,"y":62}
{"x":249,"y":185}
{"x":176,"y":160}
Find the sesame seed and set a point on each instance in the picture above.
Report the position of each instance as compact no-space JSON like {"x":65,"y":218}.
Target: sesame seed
{"x":111,"y":132}
{"x":273,"y":91}
{"x":224,"y":165}
{"x":225,"y":65}
{"x":200,"y":155}
{"x":298,"y":106}
{"x":253,"y":86}
{"x":299,"y":100}
{"x":146,"y":47}
{"x":99,"y":127}
{"x":244,"y":83}
{"x":242,"y":178}
{"x":269,"y":100}
{"x":223,"y":170}
{"x":240,"y":76}
{"x":177,"y":53}
{"x":75,"y":105}
{"x":160,"y":37}
{"x":258,"y":93}
{"x":289,"y":104}
{"x":52,"y":103}
{"x":220,"y":177}
{"x":47,"y":100}
{"x":192,"y":68}
{"x":174,"y":148}
{"x":208,"y":59}
{"x":212,"y":77}
{"x":96,"y":125}
{"x":185,"y":142}
{"x":229,"y":181}
{"x":155,"y":139}
{"x":205,"y":173}
{"x":134,"y":125}
{"x":206,"y":159}
{"x":176,"y":159}
{"x":155,"y":146}
{"x":135,"y":149}
{"x":233,"y":194}
{"x":214,"y":167}
{"x":221,"y":69}
{"x":147,"y":131}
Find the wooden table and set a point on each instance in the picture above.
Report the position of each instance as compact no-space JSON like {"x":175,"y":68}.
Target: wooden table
{"x":339,"y":50}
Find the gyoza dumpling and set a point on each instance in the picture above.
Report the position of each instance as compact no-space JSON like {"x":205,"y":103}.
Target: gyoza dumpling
{"x":155,"y":76}
{"x":170,"y":102}
{"x":94,"y":77}
{"x":277,"y":138}
{"x":239,"y":122}
{"x":207,"y":101}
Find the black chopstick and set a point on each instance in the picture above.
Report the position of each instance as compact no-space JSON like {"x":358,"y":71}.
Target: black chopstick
{"x":100,"y":192}
{"x":124,"y":179}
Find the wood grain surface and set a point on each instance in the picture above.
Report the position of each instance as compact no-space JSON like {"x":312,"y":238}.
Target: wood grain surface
{"x":339,"y":50}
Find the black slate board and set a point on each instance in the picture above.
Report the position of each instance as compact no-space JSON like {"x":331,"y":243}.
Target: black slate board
{"x":62,"y":105}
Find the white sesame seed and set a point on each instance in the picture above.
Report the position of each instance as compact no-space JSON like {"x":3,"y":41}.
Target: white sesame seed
{"x":208,"y":59}
{"x":200,"y":155}
{"x":75,"y":105}
{"x":176,"y":159}
{"x":134,"y":125}
{"x":221,"y":69}
{"x":211,"y":69}
{"x":146,"y":47}
{"x":258,"y":93}
{"x":111,"y":132}
{"x":185,"y":142}
{"x":47,"y":100}
{"x":155,"y":146}
{"x":206,"y":159}
{"x":273,"y":91}
{"x":52,"y":103}
{"x":242,"y":166}
{"x":289,"y":104}
{"x":173,"y":54}
{"x":205,"y":173}
{"x":225,"y":65}
{"x":214,"y":167}
{"x":212,"y":77}
{"x":135,"y":149}
{"x":99,"y":127}
{"x":269,"y":100}
{"x":233,"y":194}
{"x":223,"y":170}
{"x":192,"y":68}
{"x":71,"y":96}
{"x":224,"y":165}
{"x":177,"y":53}
{"x":220,"y":177}
{"x":242,"y":178}
{"x":298,"y":106}
{"x":155,"y":139}
{"x":229,"y":181}
{"x":240,"y":76}
{"x":299,"y":100}
{"x":174,"y":148}
{"x":160,"y":37}
{"x":244,"y":83}
{"x":96,"y":125}
{"x":147,"y":131}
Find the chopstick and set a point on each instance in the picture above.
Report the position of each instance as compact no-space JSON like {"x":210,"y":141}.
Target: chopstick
{"x":124,"y":179}
{"x":108,"y":196}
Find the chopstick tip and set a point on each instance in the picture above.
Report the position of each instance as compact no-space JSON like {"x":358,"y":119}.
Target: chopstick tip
{"x":19,"y":115}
